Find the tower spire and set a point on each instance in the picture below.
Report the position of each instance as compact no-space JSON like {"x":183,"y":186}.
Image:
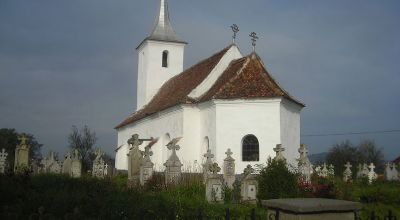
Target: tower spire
{"x":163,"y":29}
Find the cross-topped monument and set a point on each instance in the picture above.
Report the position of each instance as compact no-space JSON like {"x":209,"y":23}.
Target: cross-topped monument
{"x":228,"y":153}
{"x":278,"y":150}
{"x":303,"y":150}
{"x":348,"y":166}
{"x":235,"y":30}
{"x":23,"y":141}
{"x":3,"y":158}
{"x":248,"y":170}
{"x":253,"y":36}
{"x":214,"y":168}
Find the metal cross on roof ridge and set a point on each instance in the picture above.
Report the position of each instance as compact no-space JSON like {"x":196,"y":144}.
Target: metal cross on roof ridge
{"x":235,"y":30}
{"x":254,"y":38}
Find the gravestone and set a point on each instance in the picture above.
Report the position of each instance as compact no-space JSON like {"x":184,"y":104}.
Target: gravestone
{"x":331,"y":171}
{"x":76,"y":164}
{"x":347,"y":174}
{"x":207,"y":164}
{"x":279,"y":152}
{"x":21,"y":161}
{"x":304,"y":165}
{"x":395,"y":173}
{"x":146,"y":168}
{"x":173,"y":165}
{"x":372,"y":176}
{"x":51,"y":164}
{"x":99,"y":165}
{"x":135,"y":157}
{"x":362,"y":171}
{"x":324,"y":171}
{"x":249,"y":185}
{"x":3,"y":159}
{"x":214,"y":184}
{"x":391,"y":173}
{"x":66,"y":167}
{"x":229,"y":169}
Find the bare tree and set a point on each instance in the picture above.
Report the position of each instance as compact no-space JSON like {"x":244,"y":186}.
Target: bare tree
{"x":368,"y":152}
{"x":341,"y":153}
{"x":83,"y":140}
{"x":365,"y":152}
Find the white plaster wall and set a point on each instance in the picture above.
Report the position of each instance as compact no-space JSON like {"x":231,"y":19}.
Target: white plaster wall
{"x":290,"y":130}
{"x":191,"y":141}
{"x":168,"y":122}
{"x":236,"y":119}
{"x":232,"y":54}
{"x":151,"y":74}
{"x":224,"y":123}
{"x":207,"y":128}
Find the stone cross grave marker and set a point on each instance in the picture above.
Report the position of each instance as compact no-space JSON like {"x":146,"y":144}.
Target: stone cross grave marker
{"x":98,"y":164}
{"x":324,"y":171}
{"x":207,"y":164}
{"x":304,"y":165}
{"x":279,"y":152}
{"x":347,"y":174}
{"x":214,"y":184}
{"x":146,"y":168}
{"x":249,"y":185}
{"x":66,"y":167}
{"x":3,"y":159}
{"x":135,"y":157}
{"x":21,"y":154}
{"x":173,"y":165}
{"x":372,"y":176}
{"x":76,"y":164}
{"x":229,"y":169}
{"x":51,"y":165}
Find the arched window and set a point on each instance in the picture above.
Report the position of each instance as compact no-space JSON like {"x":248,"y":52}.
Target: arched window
{"x":250,"y":148}
{"x":165,"y":58}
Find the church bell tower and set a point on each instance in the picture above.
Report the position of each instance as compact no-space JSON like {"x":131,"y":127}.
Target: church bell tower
{"x":160,"y":57}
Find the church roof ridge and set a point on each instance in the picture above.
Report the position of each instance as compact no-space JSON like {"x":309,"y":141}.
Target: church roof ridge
{"x":175,"y":91}
{"x":246,"y":78}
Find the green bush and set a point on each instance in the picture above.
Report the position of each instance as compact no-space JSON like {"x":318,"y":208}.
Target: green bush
{"x":106,"y":199}
{"x":277,"y":181}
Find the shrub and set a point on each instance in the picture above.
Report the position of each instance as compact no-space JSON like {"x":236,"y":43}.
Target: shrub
{"x":277,"y":181}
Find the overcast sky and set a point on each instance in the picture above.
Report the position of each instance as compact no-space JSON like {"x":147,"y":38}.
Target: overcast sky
{"x":73,"y":62}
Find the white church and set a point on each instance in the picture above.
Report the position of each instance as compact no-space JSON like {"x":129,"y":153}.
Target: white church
{"x":228,"y":100}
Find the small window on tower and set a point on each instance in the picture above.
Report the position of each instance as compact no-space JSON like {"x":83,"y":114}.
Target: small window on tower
{"x":165,"y":58}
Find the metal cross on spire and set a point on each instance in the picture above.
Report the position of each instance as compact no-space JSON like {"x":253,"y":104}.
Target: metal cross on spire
{"x":254,"y":38}
{"x":235,"y":30}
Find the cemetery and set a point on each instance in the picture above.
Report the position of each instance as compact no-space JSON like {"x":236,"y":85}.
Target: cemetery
{"x":60,"y":188}
{"x":221,"y":139}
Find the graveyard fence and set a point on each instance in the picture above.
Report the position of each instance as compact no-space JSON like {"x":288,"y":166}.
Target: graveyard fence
{"x":199,"y":215}
{"x":144,"y":214}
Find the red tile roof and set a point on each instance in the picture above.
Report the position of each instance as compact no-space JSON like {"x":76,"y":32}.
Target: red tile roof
{"x":176,"y":90}
{"x":245,"y":78}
